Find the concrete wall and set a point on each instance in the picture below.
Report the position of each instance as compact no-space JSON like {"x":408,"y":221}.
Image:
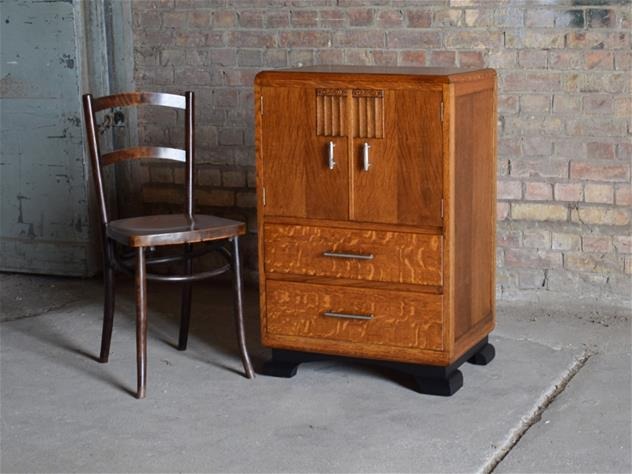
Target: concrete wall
{"x":564,"y":130}
{"x":45,"y":223}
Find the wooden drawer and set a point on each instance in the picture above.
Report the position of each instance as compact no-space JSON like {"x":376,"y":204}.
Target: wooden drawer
{"x":368,"y":318}
{"x":372,"y":255}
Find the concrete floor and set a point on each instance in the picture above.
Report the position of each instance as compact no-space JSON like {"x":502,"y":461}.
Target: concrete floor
{"x":556,"y":398}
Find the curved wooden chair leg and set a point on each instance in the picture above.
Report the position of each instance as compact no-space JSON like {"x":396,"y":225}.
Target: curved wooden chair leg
{"x":185,"y":309}
{"x":141,"y":323}
{"x":108,"y":305}
{"x":239,"y":310}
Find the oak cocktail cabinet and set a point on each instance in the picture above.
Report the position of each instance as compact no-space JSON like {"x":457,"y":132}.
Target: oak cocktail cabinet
{"x":376,"y":218}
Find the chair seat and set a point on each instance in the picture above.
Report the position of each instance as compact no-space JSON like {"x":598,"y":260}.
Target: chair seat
{"x":172,"y":229}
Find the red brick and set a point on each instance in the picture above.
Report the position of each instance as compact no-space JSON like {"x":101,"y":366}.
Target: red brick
{"x":502,"y":211}
{"x":473,"y":39}
{"x":536,"y":238}
{"x":224,"y":19}
{"x":509,"y":190}
{"x":304,"y":18}
{"x":600,"y":150}
{"x":280,"y":19}
{"x":384,"y":57}
{"x":565,"y":241}
{"x":539,"y":168}
{"x":532,"y":82}
{"x":533,"y":59}
{"x":538,"y":191}
{"x":599,"y":60}
{"x":623,"y":243}
{"x":565,"y":59}
{"x":532,"y":258}
{"x":531,"y":103}
{"x":600,"y":216}
{"x":333,"y":18}
{"x":413,"y":39}
{"x":597,"y":243}
{"x":443,"y":58}
{"x":251,"y":18}
{"x":390,"y":18}
{"x":590,"y":263}
{"x":307,"y":38}
{"x":623,"y":195}
{"x":569,"y":192}
{"x":418,"y":18}
{"x":360,"y":16}
{"x":598,"y":104}
{"x":412,"y":58}
{"x":471,"y":59}
{"x":599,"y":193}
{"x":600,"y":172}
{"x":359,"y":39}
{"x":447,"y":17}
{"x":251,"y":38}
{"x":537,"y":146}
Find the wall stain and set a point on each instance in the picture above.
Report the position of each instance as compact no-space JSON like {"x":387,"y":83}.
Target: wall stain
{"x":20,"y":213}
{"x":67,"y":60}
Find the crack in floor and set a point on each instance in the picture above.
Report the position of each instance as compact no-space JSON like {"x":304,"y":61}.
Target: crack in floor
{"x":536,"y":414}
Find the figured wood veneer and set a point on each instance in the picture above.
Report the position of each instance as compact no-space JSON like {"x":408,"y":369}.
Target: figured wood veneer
{"x":425,"y":210}
{"x":400,"y":319}
{"x":397,"y":257}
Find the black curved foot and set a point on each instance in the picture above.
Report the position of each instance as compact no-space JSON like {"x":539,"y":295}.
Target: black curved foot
{"x":440,"y":386}
{"x":484,"y":356}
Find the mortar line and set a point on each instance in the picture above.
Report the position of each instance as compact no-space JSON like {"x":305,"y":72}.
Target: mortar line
{"x":536,"y":414}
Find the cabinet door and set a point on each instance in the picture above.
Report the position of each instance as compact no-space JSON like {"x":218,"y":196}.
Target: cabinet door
{"x":301,"y":127}
{"x":398,"y":134}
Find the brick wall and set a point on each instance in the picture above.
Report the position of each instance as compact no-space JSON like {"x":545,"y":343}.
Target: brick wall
{"x":564,"y":146}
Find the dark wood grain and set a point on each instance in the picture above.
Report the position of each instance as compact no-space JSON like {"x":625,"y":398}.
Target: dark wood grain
{"x":142,"y":152}
{"x":126,"y":99}
{"x":172,"y":229}
{"x":158,"y":230}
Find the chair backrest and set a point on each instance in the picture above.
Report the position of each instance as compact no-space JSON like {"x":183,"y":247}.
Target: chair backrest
{"x":93,"y":105}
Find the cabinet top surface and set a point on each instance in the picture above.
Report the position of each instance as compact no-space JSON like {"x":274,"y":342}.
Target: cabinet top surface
{"x":427,"y":74}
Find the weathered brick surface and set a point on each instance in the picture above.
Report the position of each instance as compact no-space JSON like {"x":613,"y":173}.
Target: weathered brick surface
{"x":564,"y":142}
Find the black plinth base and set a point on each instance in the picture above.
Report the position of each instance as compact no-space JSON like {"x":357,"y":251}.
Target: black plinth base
{"x":429,"y":379}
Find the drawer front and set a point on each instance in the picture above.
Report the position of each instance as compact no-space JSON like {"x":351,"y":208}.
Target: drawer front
{"x":364,"y":317}
{"x":356,"y":254}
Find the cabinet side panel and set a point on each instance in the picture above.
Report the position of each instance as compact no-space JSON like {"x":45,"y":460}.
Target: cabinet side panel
{"x":475,"y":171}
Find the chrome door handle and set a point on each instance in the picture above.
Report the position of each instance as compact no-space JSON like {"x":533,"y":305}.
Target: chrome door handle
{"x":365,"y":157}
{"x":332,"y":160}
{"x":334,"y":314}
{"x":356,"y":256}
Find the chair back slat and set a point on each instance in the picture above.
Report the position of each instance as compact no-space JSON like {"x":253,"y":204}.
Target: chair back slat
{"x":140,"y":98}
{"x":141,"y":152}
{"x":92,"y":105}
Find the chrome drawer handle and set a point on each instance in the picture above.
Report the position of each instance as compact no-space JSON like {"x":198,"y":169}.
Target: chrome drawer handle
{"x":355,"y":256}
{"x":334,"y":314}
{"x":332,"y":161}
{"x":366,"y":164}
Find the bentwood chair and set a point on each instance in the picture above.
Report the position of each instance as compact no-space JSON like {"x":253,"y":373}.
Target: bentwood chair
{"x":143,"y":235}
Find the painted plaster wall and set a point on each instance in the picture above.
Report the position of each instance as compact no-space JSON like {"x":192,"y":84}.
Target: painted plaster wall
{"x":44,"y":192}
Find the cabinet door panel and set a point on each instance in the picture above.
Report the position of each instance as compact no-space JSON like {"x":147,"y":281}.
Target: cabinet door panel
{"x":297,"y":177}
{"x":403,"y":184}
